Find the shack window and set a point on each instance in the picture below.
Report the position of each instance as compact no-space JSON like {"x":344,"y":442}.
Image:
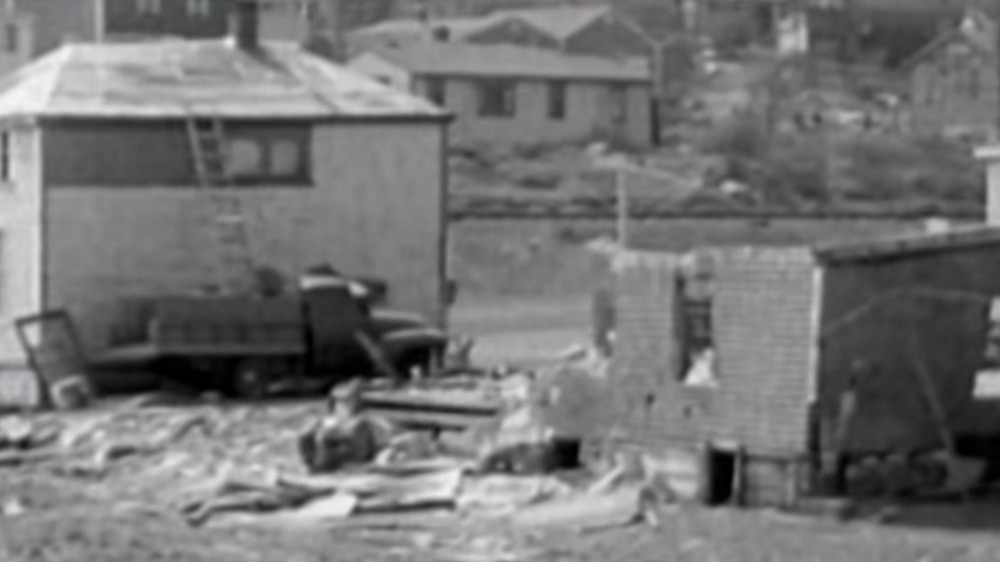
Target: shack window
{"x":5,"y":156}
{"x":245,"y":158}
{"x":497,"y":98}
{"x":147,"y":6}
{"x":286,"y":158}
{"x":436,"y":90}
{"x":697,"y":341}
{"x":199,"y":7}
{"x":619,"y":104}
{"x":557,"y":100}
{"x":11,"y":37}
{"x":987,"y":384}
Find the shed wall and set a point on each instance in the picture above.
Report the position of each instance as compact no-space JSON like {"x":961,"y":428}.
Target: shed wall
{"x":882,"y":318}
{"x":763,"y":334}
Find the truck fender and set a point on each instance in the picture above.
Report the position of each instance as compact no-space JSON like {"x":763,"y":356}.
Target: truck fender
{"x":397,"y":343}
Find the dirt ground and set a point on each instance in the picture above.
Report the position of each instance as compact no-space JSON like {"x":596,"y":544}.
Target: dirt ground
{"x":62,"y":512}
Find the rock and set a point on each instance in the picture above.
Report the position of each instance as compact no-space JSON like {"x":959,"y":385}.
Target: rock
{"x":13,"y":508}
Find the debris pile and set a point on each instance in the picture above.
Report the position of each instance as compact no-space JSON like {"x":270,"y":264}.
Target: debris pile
{"x":500,"y":450}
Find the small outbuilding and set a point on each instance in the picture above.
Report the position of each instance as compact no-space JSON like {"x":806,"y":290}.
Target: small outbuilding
{"x":769,"y":364}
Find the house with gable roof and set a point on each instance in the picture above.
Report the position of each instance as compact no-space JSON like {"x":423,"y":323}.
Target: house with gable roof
{"x":106,"y":179}
{"x":513,"y":95}
{"x":953,"y":80}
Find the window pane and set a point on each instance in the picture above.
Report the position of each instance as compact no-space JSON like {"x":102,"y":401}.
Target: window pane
{"x":497,"y":99}
{"x":286,"y":158}
{"x":557,"y":100}
{"x":244,"y":158}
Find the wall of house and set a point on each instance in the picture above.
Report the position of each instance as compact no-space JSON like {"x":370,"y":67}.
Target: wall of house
{"x":513,"y":32}
{"x":955,"y":92}
{"x":59,"y":21}
{"x":374,"y":209}
{"x":608,"y":37}
{"x":20,"y":242}
{"x":762,"y":319}
{"x":883,"y":319}
{"x":588,"y":114}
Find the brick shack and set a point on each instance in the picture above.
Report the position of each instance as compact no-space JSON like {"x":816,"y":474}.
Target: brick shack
{"x":738,"y":358}
{"x":104,"y":194}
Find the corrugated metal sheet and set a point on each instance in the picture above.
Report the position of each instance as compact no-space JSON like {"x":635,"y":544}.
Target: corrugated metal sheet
{"x":180,"y":78}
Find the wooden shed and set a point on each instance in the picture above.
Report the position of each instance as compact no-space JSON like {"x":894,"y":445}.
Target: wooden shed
{"x":741,"y":356}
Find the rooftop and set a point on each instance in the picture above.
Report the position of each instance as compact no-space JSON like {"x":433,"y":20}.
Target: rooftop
{"x":169,"y":79}
{"x":560,"y":21}
{"x":457,"y":27}
{"x":896,"y":246}
{"x":462,"y":59}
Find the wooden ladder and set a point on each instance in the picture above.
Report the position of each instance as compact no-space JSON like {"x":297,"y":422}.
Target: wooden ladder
{"x":236,"y":266}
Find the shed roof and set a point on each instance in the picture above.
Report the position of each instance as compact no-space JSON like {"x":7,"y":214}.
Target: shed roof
{"x":463,"y":59}
{"x":170,"y":79}
{"x":457,"y":27}
{"x":899,"y":246}
{"x":560,"y":21}
{"x":976,"y":28}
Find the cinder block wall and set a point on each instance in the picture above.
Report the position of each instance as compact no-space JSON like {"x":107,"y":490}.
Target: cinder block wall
{"x":764,"y":336}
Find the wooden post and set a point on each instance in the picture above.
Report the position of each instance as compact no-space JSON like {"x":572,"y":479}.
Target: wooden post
{"x":621,"y":196}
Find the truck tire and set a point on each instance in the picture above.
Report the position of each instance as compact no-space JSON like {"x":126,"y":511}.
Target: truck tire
{"x":250,"y":379}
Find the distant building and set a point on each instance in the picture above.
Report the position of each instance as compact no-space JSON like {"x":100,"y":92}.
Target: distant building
{"x":328,"y":166}
{"x":953,"y":81}
{"x":31,"y":28}
{"x":515,"y":95}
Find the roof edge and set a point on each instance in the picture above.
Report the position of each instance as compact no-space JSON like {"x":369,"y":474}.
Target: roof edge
{"x":915,"y":244}
{"x":443,"y":118}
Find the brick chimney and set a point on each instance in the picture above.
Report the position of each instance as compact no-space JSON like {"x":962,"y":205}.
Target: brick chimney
{"x":244,"y":24}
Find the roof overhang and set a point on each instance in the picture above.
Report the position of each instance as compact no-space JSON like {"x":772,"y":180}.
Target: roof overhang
{"x":889,"y":248}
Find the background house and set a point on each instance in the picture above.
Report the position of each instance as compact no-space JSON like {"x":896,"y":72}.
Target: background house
{"x":954,"y":86}
{"x":504,"y":94}
{"x":746,"y":351}
{"x":329,"y":166}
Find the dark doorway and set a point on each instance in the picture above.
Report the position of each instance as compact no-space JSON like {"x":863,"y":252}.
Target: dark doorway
{"x":722,"y":474}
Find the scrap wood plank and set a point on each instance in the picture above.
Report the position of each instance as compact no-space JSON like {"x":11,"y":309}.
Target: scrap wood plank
{"x":450,"y":402}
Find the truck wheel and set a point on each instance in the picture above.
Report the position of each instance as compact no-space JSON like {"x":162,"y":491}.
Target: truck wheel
{"x":250,"y":379}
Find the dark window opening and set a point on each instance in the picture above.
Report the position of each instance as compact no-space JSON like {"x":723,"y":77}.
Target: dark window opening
{"x":722,"y":476}
{"x":148,"y":6}
{"x":497,"y":98}
{"x":557,"y":100}
{"x":696,"y":327}
{"x":12,"y":38}
{"x":619,"y":104}
{"x":199,"y":7}
{"x":436,"y":91}
{"x":5,"y":156}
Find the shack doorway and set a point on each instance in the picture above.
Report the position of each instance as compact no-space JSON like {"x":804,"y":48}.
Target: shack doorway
{"x":721,"y":476}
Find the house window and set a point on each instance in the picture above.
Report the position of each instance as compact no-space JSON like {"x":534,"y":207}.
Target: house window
{"x":619,"y":104}
{"x":148,"y":6}
{"x":497,"y":98}
{"x":974,"y":83}
{"x":5,"y":156}
{"x":557,"y":100}
{"x":12,"y":38}
{"x":266,"y":159}
{"x":436,"y":90}
{"x":697,"y":341}
{"x":199,"y":7}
